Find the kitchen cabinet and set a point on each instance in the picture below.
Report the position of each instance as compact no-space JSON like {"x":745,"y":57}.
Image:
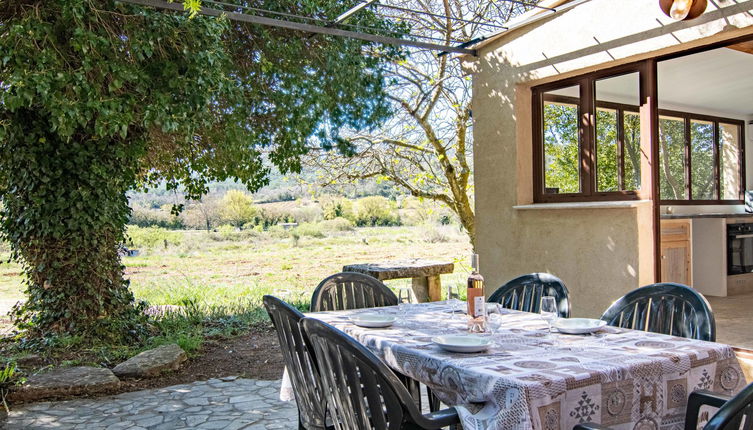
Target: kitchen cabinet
{"x":676,"y":251}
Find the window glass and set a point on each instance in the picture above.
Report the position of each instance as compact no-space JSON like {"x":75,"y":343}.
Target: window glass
{"x":729,"y":161}
{"x":623,"y":89}
{"x":702,"y":160}
{"x":632,"y":151}
{"x":561,"y":141}
{"x":672,"y":158}
{"x":613,"y":96}
{"x":607,"y":151}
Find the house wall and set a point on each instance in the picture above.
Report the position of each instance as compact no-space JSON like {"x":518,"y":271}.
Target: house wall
{"x":600,"y":251}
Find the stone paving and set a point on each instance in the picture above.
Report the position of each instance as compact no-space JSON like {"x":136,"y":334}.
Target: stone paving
{"x":227,"y":403}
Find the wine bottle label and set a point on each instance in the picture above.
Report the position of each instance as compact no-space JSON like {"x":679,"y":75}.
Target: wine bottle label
{"x":478,"y":306}
{"x":472,"y":294}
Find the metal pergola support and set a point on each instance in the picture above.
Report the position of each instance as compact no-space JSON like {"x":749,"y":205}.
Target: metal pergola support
{"x":298,"y":26}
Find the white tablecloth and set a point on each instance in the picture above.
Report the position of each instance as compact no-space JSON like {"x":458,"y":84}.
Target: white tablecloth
{"x":529,"y":379}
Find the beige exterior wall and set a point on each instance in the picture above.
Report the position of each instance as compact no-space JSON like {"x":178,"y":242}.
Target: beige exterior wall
{"x":599,"y":252}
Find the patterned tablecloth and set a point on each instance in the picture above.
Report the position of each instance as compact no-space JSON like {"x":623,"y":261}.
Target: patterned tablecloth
{"x":529,"y":379}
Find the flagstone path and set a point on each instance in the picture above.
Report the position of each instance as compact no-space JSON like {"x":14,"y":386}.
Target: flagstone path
{"x":227,"y":403}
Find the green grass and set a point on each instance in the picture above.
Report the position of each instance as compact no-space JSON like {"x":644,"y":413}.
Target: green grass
{"x":220,"y":279}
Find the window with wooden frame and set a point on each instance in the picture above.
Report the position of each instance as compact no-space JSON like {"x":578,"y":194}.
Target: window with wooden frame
{"x":587,"y":145}
{"x":700,"y":158}
{"x":587,"y":137}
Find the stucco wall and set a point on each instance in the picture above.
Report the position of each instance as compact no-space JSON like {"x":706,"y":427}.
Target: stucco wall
{"x":599,"y":253}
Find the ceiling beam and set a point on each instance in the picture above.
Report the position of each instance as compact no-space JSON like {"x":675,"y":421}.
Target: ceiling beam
{"x":260,"y":20}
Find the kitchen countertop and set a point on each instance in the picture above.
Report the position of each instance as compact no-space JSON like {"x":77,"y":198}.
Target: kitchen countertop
{"x":710,"y":215}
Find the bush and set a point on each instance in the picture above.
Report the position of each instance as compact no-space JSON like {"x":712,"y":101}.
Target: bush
{"x":161,"y":217}
{"x":273,"y":216}
{"x":337,"y":208}
{"x":376,"y":211}
{"x":150,"y":237}
{"x":230,"y":233}
{"x":310,"y":230}
{"x":337,"y":224}
{"x":237,"y":208}
{"x":306,"y":214}
{"x":436,"y":235}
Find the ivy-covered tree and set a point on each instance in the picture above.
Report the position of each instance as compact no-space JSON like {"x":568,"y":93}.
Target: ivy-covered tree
{"x":99,"y":97}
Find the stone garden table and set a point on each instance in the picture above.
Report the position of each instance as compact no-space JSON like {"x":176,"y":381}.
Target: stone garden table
{"x":425,"y":274}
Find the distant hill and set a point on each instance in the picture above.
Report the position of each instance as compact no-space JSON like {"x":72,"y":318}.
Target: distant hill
{"x":281,"y":188}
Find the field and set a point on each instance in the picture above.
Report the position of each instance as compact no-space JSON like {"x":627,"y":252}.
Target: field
{"x":230,"y":269}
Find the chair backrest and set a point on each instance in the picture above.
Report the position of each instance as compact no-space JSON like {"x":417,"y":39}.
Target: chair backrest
{"x":736,"y":414}
{"x":361,"y":391}
{"x":524,"y":293}
{"x":667,"y":308}
{"x":299,"y":362}
{"x":351,"y":290}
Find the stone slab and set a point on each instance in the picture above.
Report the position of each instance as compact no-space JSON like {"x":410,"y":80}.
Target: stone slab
{"x":398,"y":269}
{"x":66,"y":381}
{"x":152,"y":362}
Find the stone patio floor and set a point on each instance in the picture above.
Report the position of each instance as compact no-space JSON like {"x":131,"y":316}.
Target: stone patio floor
{"x":227,"y":403}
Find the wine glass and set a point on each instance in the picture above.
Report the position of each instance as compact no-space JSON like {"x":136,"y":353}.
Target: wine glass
{"x":549,"y":310}
{"x":452,"y":297}
{"x":404,"y":299}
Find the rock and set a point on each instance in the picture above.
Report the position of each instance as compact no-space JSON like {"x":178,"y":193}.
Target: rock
{"x":152,"y":362}
{"x":66,"y":381}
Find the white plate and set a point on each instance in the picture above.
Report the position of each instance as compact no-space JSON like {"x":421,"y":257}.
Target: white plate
{"x":578,"y":325}
{"x":462,"y":343}
{"x":373,"y":320}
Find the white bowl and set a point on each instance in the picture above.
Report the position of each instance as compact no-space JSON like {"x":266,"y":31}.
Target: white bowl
{"x":372,"y":320}
{"x":578,"y":325}
{"x":467,"y":343}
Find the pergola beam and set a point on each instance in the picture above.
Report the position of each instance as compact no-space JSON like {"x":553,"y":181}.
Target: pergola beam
{"x":350,"y":12}
{"x":298,"y":26}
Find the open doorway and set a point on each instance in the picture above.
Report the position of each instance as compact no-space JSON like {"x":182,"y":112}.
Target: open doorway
{"x":706,"y":236}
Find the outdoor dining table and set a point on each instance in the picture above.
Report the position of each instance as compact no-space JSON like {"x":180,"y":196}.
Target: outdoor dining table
{"x":530,"y":378}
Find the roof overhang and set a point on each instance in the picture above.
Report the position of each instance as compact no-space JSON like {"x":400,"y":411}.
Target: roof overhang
{"x":548,"y":8}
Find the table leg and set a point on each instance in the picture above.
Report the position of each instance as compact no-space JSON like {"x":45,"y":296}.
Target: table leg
{"x":435,"y":288}
{"x":427,"y":289}
{"x":420,"y":289}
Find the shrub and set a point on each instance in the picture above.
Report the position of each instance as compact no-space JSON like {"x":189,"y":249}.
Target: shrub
{"x":273,"y":216}
{"x":436,"y":235}
{"x":230,"y":233}
{"x":337,"y":208}
{"x":237,"y":208}
{"x":150,"y":237}
{"x":160,"y":217}
{"x":337,"y":224}
{"x":376,"y":211}
{"x":307,"y":214}
{"x":309,"y":229}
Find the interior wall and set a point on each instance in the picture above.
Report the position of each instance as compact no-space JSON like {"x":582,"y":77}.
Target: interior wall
{"x":749,"y":153}
{"x":601,"y":251}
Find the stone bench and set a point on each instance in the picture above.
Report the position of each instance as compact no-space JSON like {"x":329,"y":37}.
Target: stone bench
{"x":424,"y":274}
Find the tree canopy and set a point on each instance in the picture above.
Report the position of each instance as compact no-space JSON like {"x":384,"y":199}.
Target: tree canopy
{"x":99,"y":97}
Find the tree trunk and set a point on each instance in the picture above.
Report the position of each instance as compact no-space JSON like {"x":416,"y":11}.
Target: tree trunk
{"x":64,"y":215}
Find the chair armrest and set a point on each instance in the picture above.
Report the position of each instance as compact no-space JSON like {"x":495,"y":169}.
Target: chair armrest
{"x":590,"y":426}
{"x":698,"y":399}
{"x":440,"y":419}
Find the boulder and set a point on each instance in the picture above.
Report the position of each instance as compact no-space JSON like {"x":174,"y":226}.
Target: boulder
{"x":152,"y":362}
{"x":67,"y":381}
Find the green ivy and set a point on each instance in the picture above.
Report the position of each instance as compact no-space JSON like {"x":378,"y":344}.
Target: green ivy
{"x":100,"y":97}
